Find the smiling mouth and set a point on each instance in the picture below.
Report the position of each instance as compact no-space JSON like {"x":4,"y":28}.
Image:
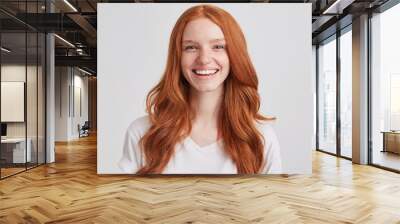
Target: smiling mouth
{"x":205,"y":72}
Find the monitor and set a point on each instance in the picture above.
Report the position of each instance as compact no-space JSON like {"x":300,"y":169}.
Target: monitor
{"x":3,"y":129}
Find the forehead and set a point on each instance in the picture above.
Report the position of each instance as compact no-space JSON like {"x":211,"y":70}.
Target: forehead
{"x":202,"y":29}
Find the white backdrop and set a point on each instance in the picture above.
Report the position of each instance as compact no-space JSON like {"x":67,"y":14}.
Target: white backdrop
{"x":132,"y":48}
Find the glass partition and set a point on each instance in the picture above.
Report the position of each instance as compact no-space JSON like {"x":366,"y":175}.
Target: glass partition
{"x":22,"y":77}
{"x":327,"y":96}
{"x":13,"y":104}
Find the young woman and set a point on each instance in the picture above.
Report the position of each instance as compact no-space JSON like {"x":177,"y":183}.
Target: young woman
{"x":203,"y":115}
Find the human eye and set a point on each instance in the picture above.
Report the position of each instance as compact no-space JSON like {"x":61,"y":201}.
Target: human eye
{"x":219,"y":46}
{"x":189,"y":48}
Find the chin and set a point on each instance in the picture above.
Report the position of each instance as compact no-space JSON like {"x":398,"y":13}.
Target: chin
{"x":206,"y":88}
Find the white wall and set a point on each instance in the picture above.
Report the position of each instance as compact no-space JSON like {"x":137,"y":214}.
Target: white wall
{"x":80,"y":83}
{"x":131,"y":61}
{"x":61,"y":103}
{"x":68,"y":81}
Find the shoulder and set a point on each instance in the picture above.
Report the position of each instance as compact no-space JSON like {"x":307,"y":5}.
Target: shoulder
{"x":139,"y":126}
{"x":132,"y":158}
{"x":266,"y":128}
{"x":272,"y":149}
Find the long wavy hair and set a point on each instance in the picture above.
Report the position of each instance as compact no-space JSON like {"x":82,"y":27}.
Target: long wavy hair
{"x":168,"y":103}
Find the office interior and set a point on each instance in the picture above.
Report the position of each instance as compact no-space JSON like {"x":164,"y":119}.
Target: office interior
{"x":48,"y":81}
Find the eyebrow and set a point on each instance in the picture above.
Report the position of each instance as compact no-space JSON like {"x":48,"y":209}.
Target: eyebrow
{"x":213,"y":40}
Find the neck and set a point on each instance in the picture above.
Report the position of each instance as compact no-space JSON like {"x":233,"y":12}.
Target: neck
{"x":206,"y":105}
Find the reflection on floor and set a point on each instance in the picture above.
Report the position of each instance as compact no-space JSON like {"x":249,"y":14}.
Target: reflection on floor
{"x":386,"y":159}
{"x":10,"y":169}
{"x":346,"y":152}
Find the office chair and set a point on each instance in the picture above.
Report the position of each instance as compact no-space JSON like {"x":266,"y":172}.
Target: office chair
{"x":84,"y":130}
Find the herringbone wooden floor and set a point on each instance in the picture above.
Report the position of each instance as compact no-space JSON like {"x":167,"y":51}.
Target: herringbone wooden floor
{"x":70,"y":191}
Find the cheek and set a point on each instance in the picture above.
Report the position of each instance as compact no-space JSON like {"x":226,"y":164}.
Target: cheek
{"x":187,"y":61}
{"x":184,"y":65}
{"x":224,"y":62}
{"x":226,"y":66}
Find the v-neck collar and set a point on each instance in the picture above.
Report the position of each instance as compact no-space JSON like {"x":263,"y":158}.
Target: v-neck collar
{"x":191,"y":141}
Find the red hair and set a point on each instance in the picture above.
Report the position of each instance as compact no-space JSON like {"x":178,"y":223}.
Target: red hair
{"x":169,"y":109}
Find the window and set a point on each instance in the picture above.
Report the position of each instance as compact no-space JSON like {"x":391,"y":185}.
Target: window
{"x":346,"y":94}
{"x":327,"y":96}
{"x":385,"y":89}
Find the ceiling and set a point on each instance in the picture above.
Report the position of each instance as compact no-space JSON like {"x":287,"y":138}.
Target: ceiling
{"x":76,"y":22}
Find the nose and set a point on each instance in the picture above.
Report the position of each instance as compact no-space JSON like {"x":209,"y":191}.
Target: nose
{"x":204,"y":57}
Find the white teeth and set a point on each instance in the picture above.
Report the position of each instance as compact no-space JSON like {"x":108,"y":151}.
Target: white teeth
{"x":206,"y":72}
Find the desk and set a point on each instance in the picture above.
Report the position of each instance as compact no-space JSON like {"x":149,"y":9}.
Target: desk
{"x":391,"y":141}
{"x":15,"y":148}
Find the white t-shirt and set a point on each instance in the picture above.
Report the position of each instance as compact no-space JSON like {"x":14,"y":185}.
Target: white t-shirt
{"x":190,"y":158}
